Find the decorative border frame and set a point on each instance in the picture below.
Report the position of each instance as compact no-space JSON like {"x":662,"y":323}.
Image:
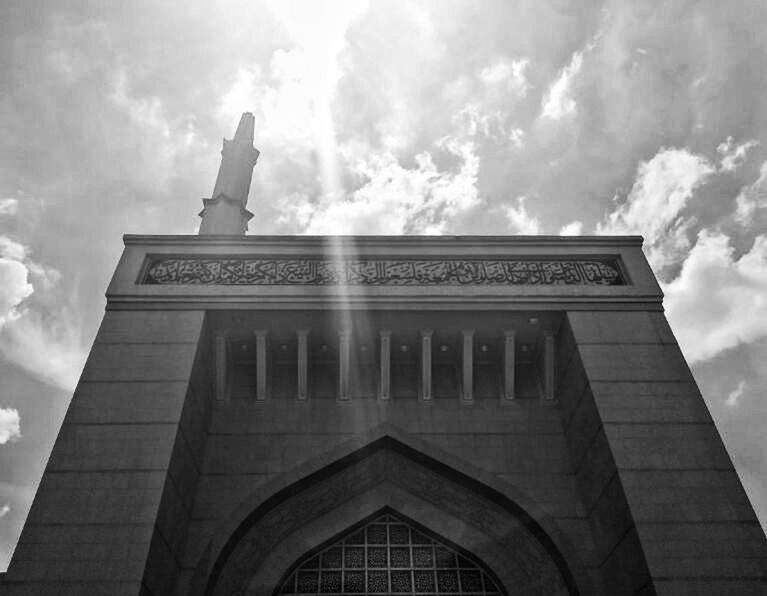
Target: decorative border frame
{"x":240,"y":270}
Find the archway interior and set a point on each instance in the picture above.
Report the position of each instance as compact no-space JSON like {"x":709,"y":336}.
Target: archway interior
{"x":389,"y":554}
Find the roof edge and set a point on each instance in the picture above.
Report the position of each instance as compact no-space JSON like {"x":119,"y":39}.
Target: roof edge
{"x":214,"y":240}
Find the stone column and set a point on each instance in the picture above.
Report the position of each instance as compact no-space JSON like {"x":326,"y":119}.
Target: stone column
{"x":467,"y":393}
{"x":509,"y":363}
{"x":221,"y":367}
{"x":262,"y":337}
{"x":385,"y":386}
{"x":426,"y":389}
{"x":548,"y":365}
{"x":344,"y":349}
{"x":302,"y":392}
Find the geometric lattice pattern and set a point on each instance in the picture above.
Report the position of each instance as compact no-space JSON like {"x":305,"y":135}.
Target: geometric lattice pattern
{"x":389,"y":556}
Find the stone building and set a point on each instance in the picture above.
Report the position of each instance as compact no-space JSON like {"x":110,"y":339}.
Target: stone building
{"x":393,"y":415}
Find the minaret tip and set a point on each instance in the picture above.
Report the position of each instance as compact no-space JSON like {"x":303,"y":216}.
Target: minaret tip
{"x":245,"y":129}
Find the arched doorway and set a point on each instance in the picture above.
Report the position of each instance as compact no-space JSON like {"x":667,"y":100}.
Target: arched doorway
{"x":388,"y":553}
{"x":272,"y":535}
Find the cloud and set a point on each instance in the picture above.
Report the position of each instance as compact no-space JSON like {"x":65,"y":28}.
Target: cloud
{"x":574,"y":228}
{"x":476,"y":120}
{"x":10,"y":425}
{"x":521,"y":221}
{"x":9,"y":206}
{"x":10,"y":249}
{"x":752,"y":198}
{"x":293,"y":101}
{"x":395,"y":199}
{"x":734,"y":155}
{"x":717,"y":301}
{"x":44,"y":340}
{"x":509,"y":74}
{"x":47,"y":344}
{"x":4,"y":510}
{"x":735,"y":394}
{"x":558,"y":101}
{"x":14,"y":288}
{"x":14,"y":283}
{"x":653,"y":208}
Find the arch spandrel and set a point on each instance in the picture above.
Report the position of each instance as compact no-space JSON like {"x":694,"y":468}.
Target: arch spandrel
{"x":389,"y":474}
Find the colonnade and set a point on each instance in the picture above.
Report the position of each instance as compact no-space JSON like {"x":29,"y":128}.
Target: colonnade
{"x":467,"y":343}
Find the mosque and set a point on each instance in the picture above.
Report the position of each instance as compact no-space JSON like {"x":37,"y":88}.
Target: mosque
{"x":467,"y":415}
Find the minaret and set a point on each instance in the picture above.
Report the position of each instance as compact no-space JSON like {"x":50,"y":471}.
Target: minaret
{"x":225,"y":212}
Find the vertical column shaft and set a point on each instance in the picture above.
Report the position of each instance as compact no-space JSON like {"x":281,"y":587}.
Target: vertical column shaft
{"x":344,"y":349}
{"x":385,"y":387}
{"x":426,"y":389}
{"x":509,"y":363}
{"x":302,"y":384}
{"x":467,"y":393}
{"x":548,"y":365}
{"x":261,"y":372}
{"x":221,"y":366}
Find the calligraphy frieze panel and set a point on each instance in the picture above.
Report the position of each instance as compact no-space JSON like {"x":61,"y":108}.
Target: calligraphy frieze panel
{"x":376,"y":271}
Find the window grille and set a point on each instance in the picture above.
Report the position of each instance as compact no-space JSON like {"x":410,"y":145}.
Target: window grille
{"x":389,"y":556}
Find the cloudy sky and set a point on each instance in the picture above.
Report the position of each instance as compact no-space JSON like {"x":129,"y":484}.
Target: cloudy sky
{"x":388,"y":117}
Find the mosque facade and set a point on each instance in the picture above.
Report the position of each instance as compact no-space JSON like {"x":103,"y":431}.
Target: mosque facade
{"x":467,"y":415}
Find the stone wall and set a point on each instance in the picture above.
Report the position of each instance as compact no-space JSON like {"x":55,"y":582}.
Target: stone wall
{"x":666,"y":508}
{"x":522,"y":444}
{"x":108,"y":516}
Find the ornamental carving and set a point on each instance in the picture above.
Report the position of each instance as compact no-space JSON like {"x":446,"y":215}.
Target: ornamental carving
{"x":254,"y":271}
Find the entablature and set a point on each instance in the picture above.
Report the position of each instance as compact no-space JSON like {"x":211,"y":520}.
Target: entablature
{"x":375,"y":272}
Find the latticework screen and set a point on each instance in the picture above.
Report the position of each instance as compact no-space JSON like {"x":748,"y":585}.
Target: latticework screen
{"x":389,"y":556}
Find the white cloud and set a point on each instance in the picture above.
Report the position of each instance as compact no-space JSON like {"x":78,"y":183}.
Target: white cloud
{"x":752,"y":197}
{"x":734,"y":155}
{"x":9,"y":206}
{"x":292,"y":103}
{"x":14,"y":279}
{"x":574,"y":228}
{"x":14,"y":288}
{"x":735,"y":394}
{"x":653,"y":208}
{"x":396,"y":199}
{"x":49,"y":346}
{"x":509,"y":74}
{"x":10,"y":425}
{"x":10,"y":249}
{"x":521,"y":221}
{"x":718,"y":301}
{"x":474,"y":120}
{"x":5,"y":510}
{"x":558,"y":101}
{"x":517,"y":137}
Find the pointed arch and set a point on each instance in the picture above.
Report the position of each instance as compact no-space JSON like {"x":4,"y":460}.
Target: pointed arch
{"x":386,"y":472}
